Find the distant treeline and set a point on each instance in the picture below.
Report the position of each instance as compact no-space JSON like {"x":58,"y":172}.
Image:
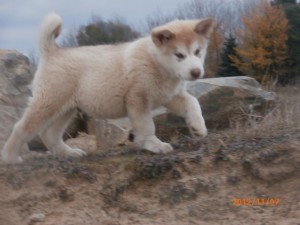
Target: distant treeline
{"x":256,"y":38}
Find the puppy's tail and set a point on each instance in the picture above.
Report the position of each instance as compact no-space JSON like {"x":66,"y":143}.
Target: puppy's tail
{"x":50,"y":29}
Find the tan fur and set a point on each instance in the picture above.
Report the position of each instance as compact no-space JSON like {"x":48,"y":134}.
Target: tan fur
{"x":110,"y":81}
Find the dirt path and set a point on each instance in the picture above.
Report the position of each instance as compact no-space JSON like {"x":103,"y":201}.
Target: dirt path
{"x":253,"y":182}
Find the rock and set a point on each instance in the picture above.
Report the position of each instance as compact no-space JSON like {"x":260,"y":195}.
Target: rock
{"x":37,"y":217}
{"x":15,"y":78}
{"x":16,"y":75}
{"x":226,"y":99}
{"x":223,"y":101}
{"x":112,"y":133}
{"x":86,"y":142}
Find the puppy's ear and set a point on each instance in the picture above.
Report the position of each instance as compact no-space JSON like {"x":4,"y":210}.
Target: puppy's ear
{"x":205,"y":27}
{"x":161,"y":37}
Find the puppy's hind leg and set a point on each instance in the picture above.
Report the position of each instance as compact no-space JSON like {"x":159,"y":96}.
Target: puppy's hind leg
{"x":34,"y":119}
{"x":52,"y":137}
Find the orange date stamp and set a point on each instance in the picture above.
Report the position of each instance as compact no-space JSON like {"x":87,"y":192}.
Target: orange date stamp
{"x":256,"y":201}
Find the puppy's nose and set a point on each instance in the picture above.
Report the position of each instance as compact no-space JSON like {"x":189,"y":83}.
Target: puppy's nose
{"x":195,"y":73}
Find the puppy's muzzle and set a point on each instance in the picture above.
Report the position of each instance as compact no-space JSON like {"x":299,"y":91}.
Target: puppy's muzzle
{"x":195,"y":73}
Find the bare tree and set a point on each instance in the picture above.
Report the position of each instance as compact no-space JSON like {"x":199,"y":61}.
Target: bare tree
{"x":69,"y":39}
{"x":159,"y":18}
{"x":227,"y":13}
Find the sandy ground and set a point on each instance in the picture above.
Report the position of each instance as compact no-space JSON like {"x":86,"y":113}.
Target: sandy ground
{"x":211,"y":181}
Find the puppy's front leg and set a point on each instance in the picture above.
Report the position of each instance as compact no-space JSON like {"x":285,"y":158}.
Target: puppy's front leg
{"x":187,"y":106}
{"x":144,"y":130}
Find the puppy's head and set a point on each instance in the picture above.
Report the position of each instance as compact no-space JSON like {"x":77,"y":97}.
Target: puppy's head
{"x":182,"y":46}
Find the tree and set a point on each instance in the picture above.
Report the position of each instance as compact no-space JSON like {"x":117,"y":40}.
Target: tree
{"x":105,"y":32}
{"x":263,"y":53}
{"x":227,"y":67}
{"x":279,"y":2}
{"x":292,"y":10}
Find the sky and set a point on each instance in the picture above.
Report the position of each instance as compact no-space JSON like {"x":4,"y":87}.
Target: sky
{"x":20,"y":19}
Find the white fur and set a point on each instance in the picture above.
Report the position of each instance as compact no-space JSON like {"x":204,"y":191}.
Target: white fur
{"x":111,"y":82}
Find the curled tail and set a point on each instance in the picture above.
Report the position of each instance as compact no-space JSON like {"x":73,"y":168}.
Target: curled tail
{"x":50,"y":29}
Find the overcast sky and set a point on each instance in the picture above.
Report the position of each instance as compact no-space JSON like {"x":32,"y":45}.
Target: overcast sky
{"x":20,"y":19}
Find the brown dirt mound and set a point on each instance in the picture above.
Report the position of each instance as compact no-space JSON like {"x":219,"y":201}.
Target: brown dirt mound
{"x":211,"y":181}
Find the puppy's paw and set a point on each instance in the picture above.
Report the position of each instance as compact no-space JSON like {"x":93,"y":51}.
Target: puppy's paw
{"x":198,"y":132}
{"x":155,"y":145}
{"x":10,"y":158}
{"x":74,"y":152}
{"x":165,"y":148}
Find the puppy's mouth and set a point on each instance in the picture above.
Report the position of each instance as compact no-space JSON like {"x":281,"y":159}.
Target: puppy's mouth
{"x":189,"y":78}
{"x":194,"y":78}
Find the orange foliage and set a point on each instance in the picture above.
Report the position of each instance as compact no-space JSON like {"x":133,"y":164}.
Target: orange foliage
{"x":263,"y":51}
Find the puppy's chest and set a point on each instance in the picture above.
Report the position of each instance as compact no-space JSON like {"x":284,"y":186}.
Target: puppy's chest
{"x":164,"y":93}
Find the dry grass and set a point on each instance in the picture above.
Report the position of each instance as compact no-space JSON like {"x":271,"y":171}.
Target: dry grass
{"x":282,"y":119}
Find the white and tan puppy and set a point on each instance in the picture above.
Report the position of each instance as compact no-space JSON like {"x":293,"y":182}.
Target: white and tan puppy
{"x":113,"y":81}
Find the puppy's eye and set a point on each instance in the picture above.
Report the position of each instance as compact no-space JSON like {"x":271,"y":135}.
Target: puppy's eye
{"x":179,"y":55}
{"x":197,"y":52}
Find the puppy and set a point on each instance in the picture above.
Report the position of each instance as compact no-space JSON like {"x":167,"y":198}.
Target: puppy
{"x":113,"y":81}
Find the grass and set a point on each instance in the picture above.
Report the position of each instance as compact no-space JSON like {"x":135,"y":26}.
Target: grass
{"x":283,"y":118}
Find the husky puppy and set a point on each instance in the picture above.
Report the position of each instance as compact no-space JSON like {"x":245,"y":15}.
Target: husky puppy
{"x":113,"y":81}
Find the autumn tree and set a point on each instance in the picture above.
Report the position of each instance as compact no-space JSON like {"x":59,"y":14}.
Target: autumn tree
{"x":263,"y":53}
